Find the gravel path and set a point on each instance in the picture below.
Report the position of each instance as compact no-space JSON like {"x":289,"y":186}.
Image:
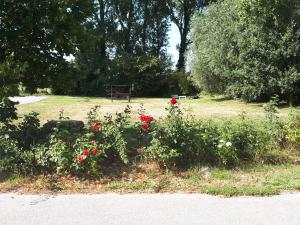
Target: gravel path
{"x":148,"y":209}
{"x":27,"y":99}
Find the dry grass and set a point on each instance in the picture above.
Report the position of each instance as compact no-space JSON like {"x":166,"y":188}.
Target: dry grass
{"x":205,"y":107}
{"x":148,"y":178}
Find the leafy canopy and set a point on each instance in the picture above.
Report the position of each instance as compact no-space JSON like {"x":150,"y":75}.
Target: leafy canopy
{"x":248,"y":49}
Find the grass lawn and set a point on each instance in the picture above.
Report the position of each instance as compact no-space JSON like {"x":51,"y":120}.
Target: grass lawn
{"x":259,"y":180}
{"x":205,"y":107}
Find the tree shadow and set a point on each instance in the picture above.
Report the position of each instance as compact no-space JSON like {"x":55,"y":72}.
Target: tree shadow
{"x":4,"y":177}
{"x":221,"y":99}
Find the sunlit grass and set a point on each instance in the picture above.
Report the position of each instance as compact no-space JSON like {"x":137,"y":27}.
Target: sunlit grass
{"x":205,"y":107}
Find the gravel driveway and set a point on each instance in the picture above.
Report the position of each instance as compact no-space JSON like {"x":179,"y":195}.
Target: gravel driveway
{"x":27,"y":99}
{"x":148,"y":209}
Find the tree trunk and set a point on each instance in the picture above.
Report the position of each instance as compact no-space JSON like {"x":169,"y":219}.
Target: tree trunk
{"x":145,"y":24}
{"x":102,"y":29}
{"x":128,"y":46}
{"x":182,"y":49}
{"x":291,"y":100}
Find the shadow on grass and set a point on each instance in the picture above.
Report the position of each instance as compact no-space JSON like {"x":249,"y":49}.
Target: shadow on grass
{"x":221,"y":99}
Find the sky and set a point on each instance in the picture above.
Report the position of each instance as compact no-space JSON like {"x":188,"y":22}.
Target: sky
{"x":174,"y":39}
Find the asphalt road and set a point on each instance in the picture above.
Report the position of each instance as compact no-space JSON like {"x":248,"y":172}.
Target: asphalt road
{"x":152,"y":209}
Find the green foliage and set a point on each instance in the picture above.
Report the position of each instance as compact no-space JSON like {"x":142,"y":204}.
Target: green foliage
{"x":274,"y":125}
{"x":7,"y":111}
{"x":293,"y":129}
{"x":173,"y":142}
{"x":12,"y":160}
{"x":28,"y":132}
{"x":129,"y":46}
{"x":241,"y":140}
{"x":10,"y":73}
{"x":112,"y":133}
{"x":271,"y":109}
{"x":86,"y":152}
{"x":181,"y":142}
{"x":181,"y":83}
{"x":32,"y":35}
{"x":248,"y":49}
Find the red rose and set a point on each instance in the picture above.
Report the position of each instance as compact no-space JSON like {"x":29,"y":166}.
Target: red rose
{"x":96,"y":127}
{"x":147,"y":119}
{"x":85,"y":152}
{"x":80,"y":159}
{"x":145,"y":126}
{"x":173,"y":101}
{"x":94,"y":151}
{"x":142,"y":118}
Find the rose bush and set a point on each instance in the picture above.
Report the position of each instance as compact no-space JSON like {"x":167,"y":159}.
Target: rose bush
{"x":180,"y":142}
{"x":175,"y":141}
{"x":86,"y":152}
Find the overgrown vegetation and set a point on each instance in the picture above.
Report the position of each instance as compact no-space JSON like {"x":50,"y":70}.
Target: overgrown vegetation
{"x":175,"y":142}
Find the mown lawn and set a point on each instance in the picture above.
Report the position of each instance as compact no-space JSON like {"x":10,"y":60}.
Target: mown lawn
{"x":204,"y":107}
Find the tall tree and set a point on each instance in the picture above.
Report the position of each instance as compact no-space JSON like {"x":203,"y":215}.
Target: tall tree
{"x":248,"y":49}
{"x":132,"y":36}
{"x":41,"y":34}
{"x":181,"y":13}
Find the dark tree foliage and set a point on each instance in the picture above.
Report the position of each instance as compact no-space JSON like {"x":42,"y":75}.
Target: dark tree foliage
{"x":113,"y":42}
{"x":248,"y":49}
{"x":130,"y":41}
{"x":40,"y":34}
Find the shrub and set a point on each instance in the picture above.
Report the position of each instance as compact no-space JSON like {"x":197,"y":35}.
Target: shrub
{"x":177,"y":141}
{"x":275,"y":127}
{"x":237,"y":54}
{"x":240,"y":141}
{"x":293,"y":129}
{"x":84,"y":152}
{"x":12,"y":160}
{"x":110,"y":132}
{"x":28,"y":131}
{"x":7,"y":110}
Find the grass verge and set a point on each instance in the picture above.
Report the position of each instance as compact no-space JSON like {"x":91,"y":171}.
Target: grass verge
{"x":262,"y":180}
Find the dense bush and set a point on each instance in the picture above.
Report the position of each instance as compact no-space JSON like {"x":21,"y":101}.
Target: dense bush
{"x":12,"y":160}
{"x":64,"y":146}
{"x":84,"y":152}
{"x":176,"y":141}
{"x":7,"y":111}
{"x":181,"y":142}
{"x":248,"y":49}
{"x":293,"y":129}
{"x":240,"y":141}
{"x":28,"y":131}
